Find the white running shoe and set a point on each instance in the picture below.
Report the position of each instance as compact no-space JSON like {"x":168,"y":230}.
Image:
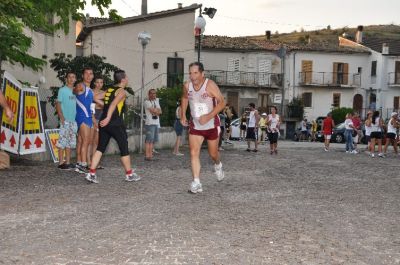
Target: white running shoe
{"x":381,"y":155}
{"x":219,"y":172}
{"x":133,"y":177}
{"x":91,"y":178}
{"x":195,"y":187}
{"x":371,"y":154}
{"x":354,"y":152}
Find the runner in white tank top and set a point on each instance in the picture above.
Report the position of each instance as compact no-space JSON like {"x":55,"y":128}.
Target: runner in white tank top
{"x":206,"y":101}
{"x":391,"y":136}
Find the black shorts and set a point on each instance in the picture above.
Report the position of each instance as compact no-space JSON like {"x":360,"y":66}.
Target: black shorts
{"x":376,"y":135}
{"x":273,"y":137}
{"x":116,"y":132}
{"x":391,"y":136}
{"x":243,"y":127}
{"x":251,"y":134}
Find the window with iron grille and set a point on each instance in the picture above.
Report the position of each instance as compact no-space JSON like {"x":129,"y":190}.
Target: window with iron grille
{"x":373,"y":68}
{"x":336,"y":100}
{"x":307,"y":99}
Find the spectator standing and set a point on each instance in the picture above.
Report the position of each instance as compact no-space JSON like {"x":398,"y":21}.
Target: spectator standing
{"x":357,"y":129}
{"x":222,"y":118}
{"x":391,"y":135}
{"x":243,"y":126}
{"x":314,"y":127}
{"x":327,"y":126}
{"x":348,"y":134}
{"x":367,"y":124}
{"x":66,"y":111}
{"x":251,"y":134}
{"x":304,"y":130}
{"x":153,"y":111}
{"x":262,"y":125}
{"x":274,"y":123}
{"x":376,"y":134}
{"x":178,"y":129}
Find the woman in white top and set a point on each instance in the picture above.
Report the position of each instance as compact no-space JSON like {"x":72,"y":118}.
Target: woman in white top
{"x":376,"y":134}
{"x":348,"y":134}
{"x":391,"y":135}
{"x":273,"y":130}
{"x":367,"y":125}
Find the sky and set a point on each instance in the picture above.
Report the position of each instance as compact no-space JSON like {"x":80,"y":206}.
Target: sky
{"x":254,"y":17}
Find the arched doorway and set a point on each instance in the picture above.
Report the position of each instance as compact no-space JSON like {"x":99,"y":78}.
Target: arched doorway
{"x":358,"y":103}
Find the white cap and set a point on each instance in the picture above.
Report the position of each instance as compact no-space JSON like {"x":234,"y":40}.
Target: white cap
{"x":393,"y":114}
{"x":264,"y":114}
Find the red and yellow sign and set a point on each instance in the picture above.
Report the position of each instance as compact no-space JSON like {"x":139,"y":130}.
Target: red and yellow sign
{"x":52,"y":137}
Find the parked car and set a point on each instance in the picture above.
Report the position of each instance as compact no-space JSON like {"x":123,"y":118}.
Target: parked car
{"x":235,"y":129}
{"x":297,"y":133}
{"x":338,"y":134}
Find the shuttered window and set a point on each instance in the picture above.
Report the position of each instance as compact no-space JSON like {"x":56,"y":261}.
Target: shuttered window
{"x":396,"y":103}
{"x":373,"y":68}
{"x":233,"y":71}
{"x":264,"y":70}
{"x":336,"y":100}
{"x":307,"y":99}
{"x":340,"y":74}
{"x":306,"y":70}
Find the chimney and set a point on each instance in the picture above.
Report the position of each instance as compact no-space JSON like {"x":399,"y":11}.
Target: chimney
{"x":144,"y":7}
{"x":359,"y":34}
{"x":385,"y":49}
{"x":179,"y":5}
{"x":268,"y":34}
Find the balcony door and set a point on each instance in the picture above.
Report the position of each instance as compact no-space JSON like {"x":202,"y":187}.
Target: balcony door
{"x":174,"y":72}
{"x":340,"y":73}
{"x":264,"y":70}
{"x":233,"y":74}
{"x":306,"y":70}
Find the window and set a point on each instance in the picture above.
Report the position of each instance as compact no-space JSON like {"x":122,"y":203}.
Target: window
{"x":263,"y":100}
{"x":396,"y":103}
{"x":306,"y":71}
{"x":233,"y":71}
{"x":373,"y":68}
{"x":307,"y":99}
{"x":340,"y":73}
{"x":174,"y":71}
{"x":336,"y":100}
{"x":359,"y":70}
{"x":397,"y":72}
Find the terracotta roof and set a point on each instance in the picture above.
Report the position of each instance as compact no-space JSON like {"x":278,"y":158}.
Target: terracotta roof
{"x":376,"y":44}
{"x":258,"y":44}
{"x":93,"y":23}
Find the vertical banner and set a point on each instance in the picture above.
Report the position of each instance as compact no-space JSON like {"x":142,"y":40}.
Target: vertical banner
{"x":52,"y":136}
{"x":9,"y":132}
{"x":32,"y":129}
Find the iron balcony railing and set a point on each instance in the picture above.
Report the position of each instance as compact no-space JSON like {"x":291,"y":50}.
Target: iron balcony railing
{"x":250,"y":79}
{"x":394,"y":79}
{"x":330,"y":79}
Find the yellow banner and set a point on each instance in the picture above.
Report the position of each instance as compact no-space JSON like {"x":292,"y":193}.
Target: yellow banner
{"x":31,"y":112}
{"x":12,"y":97}
{"x":52,"y":137}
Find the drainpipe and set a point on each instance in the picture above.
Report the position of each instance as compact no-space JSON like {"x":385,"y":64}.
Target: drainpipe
{"x":294,"y":73}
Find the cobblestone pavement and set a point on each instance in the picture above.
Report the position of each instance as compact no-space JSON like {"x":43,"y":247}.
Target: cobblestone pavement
{"x":302,"y":206}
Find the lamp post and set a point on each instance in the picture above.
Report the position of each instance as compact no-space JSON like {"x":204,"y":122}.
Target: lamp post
{"x":200,"y":25}
{"x":144,"y":39}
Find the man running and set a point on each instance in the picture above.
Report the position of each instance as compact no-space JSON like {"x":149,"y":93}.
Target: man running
{"x":112,"y":125}
{"x":206,"y":101}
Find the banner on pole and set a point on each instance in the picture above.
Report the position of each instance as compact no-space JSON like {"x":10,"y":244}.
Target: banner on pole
{"x":52,"y":136}
{"x":10,"y":131}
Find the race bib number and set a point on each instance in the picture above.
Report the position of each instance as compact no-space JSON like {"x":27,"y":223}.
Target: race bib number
{"x":200,"y":109}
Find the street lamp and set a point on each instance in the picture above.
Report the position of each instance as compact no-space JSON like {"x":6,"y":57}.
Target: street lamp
{"x":144,"y":39}
{"x":200,"y":25}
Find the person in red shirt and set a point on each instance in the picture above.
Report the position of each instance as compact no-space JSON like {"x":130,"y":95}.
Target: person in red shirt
{"x":327,"y":127}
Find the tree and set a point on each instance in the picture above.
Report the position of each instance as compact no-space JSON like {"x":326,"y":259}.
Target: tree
{"x":63,"y":64}
{"x":15,"y":15}
{"x":339,"y":114}
{"x":168,"y":99}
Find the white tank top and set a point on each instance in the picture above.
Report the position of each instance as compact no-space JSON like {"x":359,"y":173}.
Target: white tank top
{"x":200,"y":104}
{"x":391,"y":128}
{"x":274,"y":121}
{"x":367,"y":130}
{"x":252,"y":119}
{"x":375,"y":127}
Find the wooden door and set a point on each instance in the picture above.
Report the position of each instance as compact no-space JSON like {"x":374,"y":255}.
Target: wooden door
{"x":233,"y":100}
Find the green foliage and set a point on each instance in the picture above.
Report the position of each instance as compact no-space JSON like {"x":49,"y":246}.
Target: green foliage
{"x":339,"y":114}
{"x":15,"y":15}
{"x":63,"y":64}
{"x":168,"y":99}
{"x":296,"y":108}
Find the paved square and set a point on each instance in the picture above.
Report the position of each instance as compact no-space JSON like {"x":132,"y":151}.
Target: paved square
{"x":302,"y":206}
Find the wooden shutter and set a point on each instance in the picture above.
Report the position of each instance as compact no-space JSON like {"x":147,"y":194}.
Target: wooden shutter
{"x":334,"y":77}
{"x":264,"y":68}
{"x":233,"y":71}
{"x":345,"y":73}
{"x":306,"y":69}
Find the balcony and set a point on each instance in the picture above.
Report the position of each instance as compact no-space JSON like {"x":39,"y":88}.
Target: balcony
{"x":329,"y":79}
{"x":394,"y":79}
{"x":245,"y":79}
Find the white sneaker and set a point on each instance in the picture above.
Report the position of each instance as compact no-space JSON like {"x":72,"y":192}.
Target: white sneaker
{"x":219,"y":172}
{"x":371,"y":154}
{"x":195,"y":187}
{"x":354,"y":152}
{"x":347,"y":152}
{"x":326,"y":149}
{"x":91,"y":178}
{"x":381,"y":155}
{"x":133,"y":177}
{"x":178,"y":154}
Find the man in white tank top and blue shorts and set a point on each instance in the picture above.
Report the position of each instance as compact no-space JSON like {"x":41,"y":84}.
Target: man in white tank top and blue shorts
{"x":205,"y":101}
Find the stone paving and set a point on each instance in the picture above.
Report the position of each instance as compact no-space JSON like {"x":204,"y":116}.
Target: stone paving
{"x":302,"y":206}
